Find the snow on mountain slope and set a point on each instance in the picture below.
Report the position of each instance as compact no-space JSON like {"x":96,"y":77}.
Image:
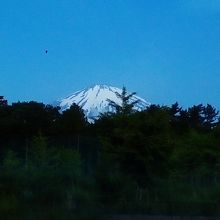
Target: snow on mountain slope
{"x":93,"y":100}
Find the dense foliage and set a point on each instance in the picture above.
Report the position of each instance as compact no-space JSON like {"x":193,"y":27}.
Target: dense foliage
{"x":163,"y":160}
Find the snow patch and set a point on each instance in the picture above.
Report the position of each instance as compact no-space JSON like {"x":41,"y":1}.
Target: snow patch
{"x":93,"y":100}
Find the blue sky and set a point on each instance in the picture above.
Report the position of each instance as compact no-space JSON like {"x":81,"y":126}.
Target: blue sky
{"x":166,"y":51}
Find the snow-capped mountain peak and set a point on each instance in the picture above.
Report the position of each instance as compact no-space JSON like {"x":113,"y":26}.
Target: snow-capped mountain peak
{"x":94,"y":100}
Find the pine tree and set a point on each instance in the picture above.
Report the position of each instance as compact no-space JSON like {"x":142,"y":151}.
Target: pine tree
{"x":210,"y":116}
{"x":127,"y":105}
{"x":196,"y":117}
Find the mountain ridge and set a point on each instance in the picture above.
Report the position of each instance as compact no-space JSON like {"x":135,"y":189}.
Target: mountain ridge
{"x":94,"y":100}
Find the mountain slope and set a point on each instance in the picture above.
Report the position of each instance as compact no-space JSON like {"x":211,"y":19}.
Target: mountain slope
{"x":93,"y":100}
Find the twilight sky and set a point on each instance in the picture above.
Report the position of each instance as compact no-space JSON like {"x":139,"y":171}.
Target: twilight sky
{"x":166,"y":51}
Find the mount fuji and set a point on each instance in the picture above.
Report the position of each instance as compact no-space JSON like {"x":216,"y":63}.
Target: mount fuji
{"x":94,"y":100}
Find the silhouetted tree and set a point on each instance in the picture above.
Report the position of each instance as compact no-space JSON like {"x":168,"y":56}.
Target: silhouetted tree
{"x":73,"y":120}
{"x":196,"y":118}
{"x":126,"y":106}
{"x":5,"y":117}
{"x":210,"y":116}
{"x":175,"y":112}
{"x":3,"y":102}
{"x":30,"y":118}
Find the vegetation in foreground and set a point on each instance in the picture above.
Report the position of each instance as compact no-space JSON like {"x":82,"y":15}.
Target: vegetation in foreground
{"x":163,"y":160}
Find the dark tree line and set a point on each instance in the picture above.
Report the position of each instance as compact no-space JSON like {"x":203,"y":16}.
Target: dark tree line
{"x":29,"y":118}
{"x":162,"y":160}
